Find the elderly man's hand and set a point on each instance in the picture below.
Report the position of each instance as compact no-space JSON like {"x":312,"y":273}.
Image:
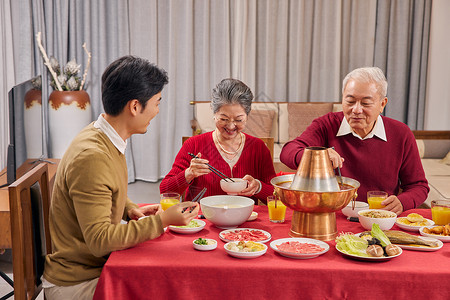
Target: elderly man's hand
{"x":336,"y":159}
{"x":392,"y":203}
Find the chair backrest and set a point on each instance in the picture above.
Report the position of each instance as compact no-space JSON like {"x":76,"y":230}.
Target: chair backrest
{"x":29,"y":200}
{"x":269,"y":141}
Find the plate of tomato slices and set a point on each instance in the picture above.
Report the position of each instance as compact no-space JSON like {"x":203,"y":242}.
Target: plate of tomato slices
{"x":245,"y":234}
{"x":299,"y":248}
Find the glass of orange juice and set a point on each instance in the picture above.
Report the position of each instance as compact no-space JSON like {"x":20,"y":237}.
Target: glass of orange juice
{"x":440,"y":212}
{"x":169,"y":199}
{"x":277,"y":210}
{"x":374,"y":198}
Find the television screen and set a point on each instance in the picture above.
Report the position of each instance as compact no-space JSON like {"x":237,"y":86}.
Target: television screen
{"x":25,"y":125}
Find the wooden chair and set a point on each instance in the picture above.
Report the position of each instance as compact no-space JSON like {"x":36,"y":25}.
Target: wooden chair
{"x":269,"y":143}
{"x":29,"y":200}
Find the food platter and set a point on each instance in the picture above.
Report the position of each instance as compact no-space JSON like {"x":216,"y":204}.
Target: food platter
{"x":243,"y":236}
{"x":246,"y":255}
{"x":278,"y":242}
{"x":443,"y":238}
{"x":188,"y":230}
{"x":423,"y":248}
{"x":409,"y":227}
{"x":373,"y":259}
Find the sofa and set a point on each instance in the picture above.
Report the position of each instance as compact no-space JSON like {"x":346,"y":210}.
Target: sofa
{"x":285,"y":120}
{"x":434,"y":150}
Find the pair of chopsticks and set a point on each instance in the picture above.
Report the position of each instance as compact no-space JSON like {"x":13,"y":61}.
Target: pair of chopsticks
{"x":339,"y":171}
{"x":217,"y":172}
{"x":196,"y":199}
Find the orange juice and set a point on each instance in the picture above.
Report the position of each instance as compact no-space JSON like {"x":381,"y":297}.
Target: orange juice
{"x":375,"y":202}
{"x":276,"y":214}
{"x":440,"y":215}
{"x":168,"y":202}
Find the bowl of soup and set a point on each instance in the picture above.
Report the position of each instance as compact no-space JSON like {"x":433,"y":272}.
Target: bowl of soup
{"x":227,"y":211}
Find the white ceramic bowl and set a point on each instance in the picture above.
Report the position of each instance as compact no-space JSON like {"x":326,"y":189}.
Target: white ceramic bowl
{"x":211,"y":246}
{"x":384,"y":223}
{"x":226,"y":211}
{"x":233,"y":188}
{"x":359,"y":205}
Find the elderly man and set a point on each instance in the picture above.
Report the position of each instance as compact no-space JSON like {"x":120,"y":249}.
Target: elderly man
{"x":379,"y":152}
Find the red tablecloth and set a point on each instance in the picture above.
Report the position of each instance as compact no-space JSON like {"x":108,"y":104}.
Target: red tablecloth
{"x":169,"y":268}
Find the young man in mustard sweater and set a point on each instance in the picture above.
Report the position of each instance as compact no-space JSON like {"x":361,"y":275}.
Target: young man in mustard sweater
{"x":90,"y":191}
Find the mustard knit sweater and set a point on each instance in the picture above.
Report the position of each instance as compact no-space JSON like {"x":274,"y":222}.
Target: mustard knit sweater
{"x":88,"y":202}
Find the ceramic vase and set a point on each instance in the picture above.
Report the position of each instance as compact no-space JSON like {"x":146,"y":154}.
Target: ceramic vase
{"x":33,"y":123}
{"x":69,"y":113}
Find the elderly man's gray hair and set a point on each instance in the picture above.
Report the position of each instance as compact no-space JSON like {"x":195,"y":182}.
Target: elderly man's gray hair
{"x":231,"y":91}
{"x":368,"y":74}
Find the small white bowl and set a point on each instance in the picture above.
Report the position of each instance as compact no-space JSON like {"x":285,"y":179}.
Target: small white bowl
{"x":233,"y":188}
{"x":359,"y":205}
{"x":208,"y":247}
{"x":253,"y":216}
{"x":384,"y":223}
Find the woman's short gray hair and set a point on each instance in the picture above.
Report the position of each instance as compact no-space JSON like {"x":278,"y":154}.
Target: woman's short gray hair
{"x":368,"y":74}
{"x":231,"y":91}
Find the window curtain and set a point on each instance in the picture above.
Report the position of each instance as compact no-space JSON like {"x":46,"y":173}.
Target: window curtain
{"x":7,"y":78}
{"x":286,"y":50}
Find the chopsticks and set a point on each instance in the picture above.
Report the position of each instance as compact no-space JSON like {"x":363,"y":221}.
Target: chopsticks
{"x":196,"y":199}
{"x":199,"y":196}
{"x":339,"y":171}
{"x":217,"y":172}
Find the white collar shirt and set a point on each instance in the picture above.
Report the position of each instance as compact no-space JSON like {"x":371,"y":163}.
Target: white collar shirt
{"x":111,"y":133}
{"x":378,"y":130}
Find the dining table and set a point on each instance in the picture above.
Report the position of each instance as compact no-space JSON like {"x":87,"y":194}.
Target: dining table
{"x":168,"y":267}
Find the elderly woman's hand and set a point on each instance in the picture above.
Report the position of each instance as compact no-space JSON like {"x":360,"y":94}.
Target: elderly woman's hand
{"x":392,"y":203}
{"x":336,"y":159}
{"x":253,"y":186}
{"x":198,"y":167}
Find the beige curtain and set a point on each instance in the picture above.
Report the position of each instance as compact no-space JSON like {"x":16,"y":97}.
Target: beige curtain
{"x":285,"y":50}
{"x":7,"y":78}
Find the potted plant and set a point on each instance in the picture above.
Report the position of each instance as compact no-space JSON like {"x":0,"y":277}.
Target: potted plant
{"x":69,"y":104}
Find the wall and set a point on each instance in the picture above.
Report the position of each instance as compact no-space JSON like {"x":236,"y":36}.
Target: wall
{"x":437,"y":109}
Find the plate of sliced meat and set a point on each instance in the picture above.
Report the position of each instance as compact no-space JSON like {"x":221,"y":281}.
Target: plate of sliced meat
{"x":299,"y":248}
{"x":245,"y":234}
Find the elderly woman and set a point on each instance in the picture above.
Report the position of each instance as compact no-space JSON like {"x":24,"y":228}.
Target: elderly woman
{"x":227,"y":148}
{"x":379,"y":152}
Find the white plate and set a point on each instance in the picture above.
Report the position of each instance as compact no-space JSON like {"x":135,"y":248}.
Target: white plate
{"x":253,"y":216}
{"x":205,"y":247}
{"x":245,"y":254}
{"x":412,"y":228}
{"x":423,"y":248}
{"x":443,"y":238}
{"x":188,"y":230}
{"x":268,"y":235}
{"x":324,"y":245}
{"x":383,"y":258}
